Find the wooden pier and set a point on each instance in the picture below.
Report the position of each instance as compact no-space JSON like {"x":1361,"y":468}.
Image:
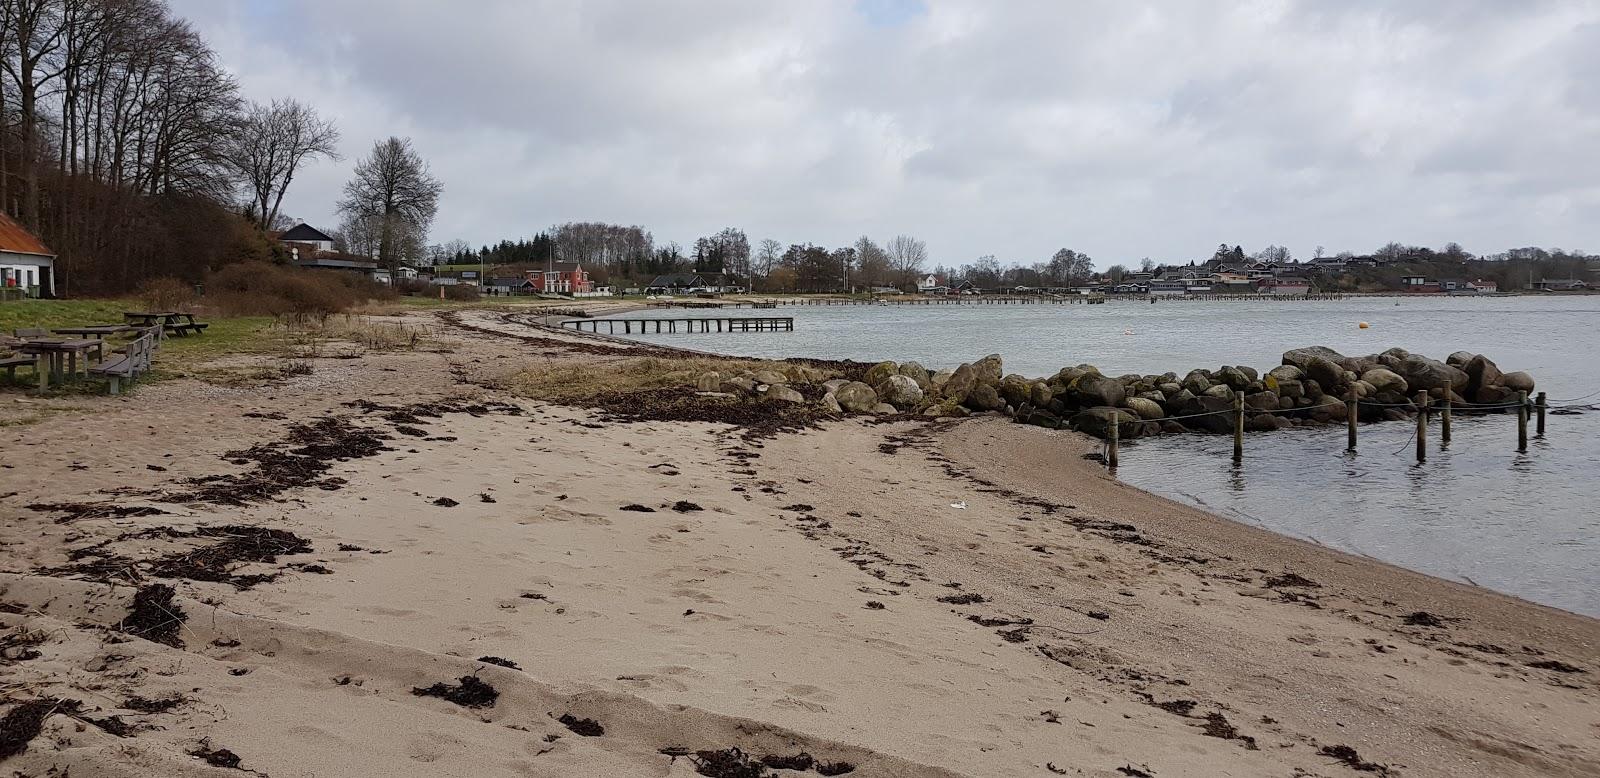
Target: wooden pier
{"x":707,"y":324}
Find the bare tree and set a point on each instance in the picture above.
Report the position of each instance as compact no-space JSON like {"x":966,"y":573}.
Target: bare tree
{"x":906,"y":257}
{"x":272,"y":143}
{"x":393,"y":186}
{"x":872,"y":261}
{"x":767,"y":256}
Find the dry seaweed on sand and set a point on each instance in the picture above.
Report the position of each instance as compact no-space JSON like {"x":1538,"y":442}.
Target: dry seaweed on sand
{"x":77,"y":511}
{"x":684,"y":506}
{"x":154,"y":704}
{"x":835,"y":768}
{"x":468,"y":693}
{"x":1217,"y":725}
{"x":584,"y":727}
{"x":1291,"y":579}
{"x":637,"y":508}
{"x":727,"y":763}
{"x":963,"y":599}
{"x":154,"y":616}
{"x":1349,"y":758}
{"x":757,"y":417}
{"x":308,"y":452}
{"x":23,"y":723}
{"x":800,"y":761}
{"x":216,"y":757}
{"x":501,"y":661}
{"x":1423,"y":619}
{"x":1557,"y":666}
{"x":239,"y":544}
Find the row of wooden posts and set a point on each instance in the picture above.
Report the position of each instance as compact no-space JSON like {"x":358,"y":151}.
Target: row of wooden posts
{"x":1424,"y":408}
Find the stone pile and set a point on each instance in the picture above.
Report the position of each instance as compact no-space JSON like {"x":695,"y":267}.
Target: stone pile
{"x":1309,"y":387}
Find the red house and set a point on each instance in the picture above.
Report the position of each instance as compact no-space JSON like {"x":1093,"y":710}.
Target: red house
{"x":561,"y":278}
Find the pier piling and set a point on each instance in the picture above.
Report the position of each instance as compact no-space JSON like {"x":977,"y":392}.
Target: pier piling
{"x":1522,"y":421}
{"x":1444,"y":421}
{"x":1238,"y":426}
{"x":1112,"y":435}
{"x":1422,"y":427}
{"x":1350,"y":417}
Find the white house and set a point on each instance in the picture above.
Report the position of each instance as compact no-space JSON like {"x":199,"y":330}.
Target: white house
{"x":929,"y":283}
{"x":25,"y":262}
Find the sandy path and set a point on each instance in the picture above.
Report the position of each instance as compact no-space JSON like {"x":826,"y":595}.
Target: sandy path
{"x":749,"y":616}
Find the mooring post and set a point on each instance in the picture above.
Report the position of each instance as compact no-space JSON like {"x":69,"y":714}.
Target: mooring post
{"x":1522,"y":421}
{"x":1350,"y":415}
{"x":1540,"y":405}
{"x":1444,"y":419}
{"x":1422,"y":426}
{"x":1238,"y":426}
{"x":1112,"y":436}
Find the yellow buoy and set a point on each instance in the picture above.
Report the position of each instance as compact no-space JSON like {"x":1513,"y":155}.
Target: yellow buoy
{"x":1363,"y":325}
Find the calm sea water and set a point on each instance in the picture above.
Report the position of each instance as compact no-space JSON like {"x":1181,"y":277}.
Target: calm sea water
{"x":1525,"y":524}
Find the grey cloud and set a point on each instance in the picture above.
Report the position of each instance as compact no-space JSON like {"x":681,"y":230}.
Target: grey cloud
{"x":1015,"y":128}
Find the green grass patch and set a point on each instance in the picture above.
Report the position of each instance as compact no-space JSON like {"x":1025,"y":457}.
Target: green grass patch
{"x":50,"y":314}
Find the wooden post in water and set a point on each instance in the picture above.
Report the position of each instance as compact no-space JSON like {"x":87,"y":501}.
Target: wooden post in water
{"x":1422,"y":426}
{"x":1238,"y":426}
{"x":1112,"y":435}
{"x":1350,"y":415}
{"x":1522,"y":421}
{"x":1540,"y":405}
{"x":1444,"y":419}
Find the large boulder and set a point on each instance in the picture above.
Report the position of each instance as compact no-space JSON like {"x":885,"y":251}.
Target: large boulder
{"x":1328,"y":409}
{"x":961,"y":383}
{"x":1218,"y":418}
{"x":1517,"y":382}
{"x":832,"y":385}
{"x":1094,"y":389}
{"x":856,"y":397}
{"x":739,"y":385}
{"x":1147,"y":409}
{"x":1383,"y":379}
{"x":709,"y":382}
{"x":1262,"y":401}
{"x":1098,"y":422}
{"x":804,"y":374}
{"x":1233,"y":377}
{"x":1286,"y":373}
{"x":1016,"y":389}
{"x":1480,"y":372}
{"x":918,"y":373}
{"x":984,"y":397}
{"x":831,"y":403}
{"x":1302,"y":357}
{"x":1328,"y":373}
{"x":880,"y":371}
{"x":1460,"y":359}
{"x":1219,"y":391}
{"x":1040,"y":393}
{"x":941,"y":378}
{"x":945,"y":409}
{"x":989,"y":368}
{"x":1197,"y":382}
{"x":899,"y":391}
{"x":770,"y":377}
{"x":1421,"y":372}
{"x":884,"y":409}
{"x":782,"y":393}
{"x":1292,"y":388}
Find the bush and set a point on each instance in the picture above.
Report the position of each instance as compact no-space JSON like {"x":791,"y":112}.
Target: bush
{"x":413,"y":287}
{"x":461,"y":292}
{"x":262,"y":289}
{"x":165,"y":294}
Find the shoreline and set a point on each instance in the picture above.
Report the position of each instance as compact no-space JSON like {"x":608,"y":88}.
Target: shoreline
{"x":693,"y":589}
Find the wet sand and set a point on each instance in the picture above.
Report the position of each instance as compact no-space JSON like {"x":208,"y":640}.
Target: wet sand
{"x":963,"y":598}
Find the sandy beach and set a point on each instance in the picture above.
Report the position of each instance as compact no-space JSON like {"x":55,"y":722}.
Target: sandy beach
{"x":394,"y":565}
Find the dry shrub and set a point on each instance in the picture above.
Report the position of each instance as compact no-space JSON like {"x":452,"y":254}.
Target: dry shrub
{"x":461,"y":292}
{"x":573,"y":381}
{"x":165,"y":294}
{"x":374,"y":335}
{"x":294,"y":294}
{"x":413,"y":287}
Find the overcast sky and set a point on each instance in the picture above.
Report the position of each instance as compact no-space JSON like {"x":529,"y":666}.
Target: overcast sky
{"x":1120,"y":129}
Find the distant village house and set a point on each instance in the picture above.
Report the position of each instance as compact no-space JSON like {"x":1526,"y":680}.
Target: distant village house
{"x":25,"y":262}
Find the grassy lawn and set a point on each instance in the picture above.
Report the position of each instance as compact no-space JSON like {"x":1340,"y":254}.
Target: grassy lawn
{"x":177,"y":356}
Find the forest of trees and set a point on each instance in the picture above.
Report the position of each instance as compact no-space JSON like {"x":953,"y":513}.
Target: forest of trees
{"x":128,"y":149}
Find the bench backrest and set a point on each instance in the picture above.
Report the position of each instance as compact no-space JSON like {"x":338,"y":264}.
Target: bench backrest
{"x":30,"y":332}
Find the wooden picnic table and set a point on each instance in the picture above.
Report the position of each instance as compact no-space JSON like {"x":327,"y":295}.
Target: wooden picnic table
{"x":50,"y":356}
{"x":174,"y":322}
{"x":96,"y":330}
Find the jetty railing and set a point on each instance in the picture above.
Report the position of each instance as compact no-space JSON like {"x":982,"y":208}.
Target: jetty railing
{"x":704,"y":324}
{"x":1424,"y":405}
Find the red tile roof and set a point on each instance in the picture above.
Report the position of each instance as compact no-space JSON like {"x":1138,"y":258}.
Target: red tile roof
{"x":16,"y":239}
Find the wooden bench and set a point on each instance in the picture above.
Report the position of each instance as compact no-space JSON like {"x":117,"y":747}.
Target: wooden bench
{"x":131,"y":360}
{"x":11,"y":364}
